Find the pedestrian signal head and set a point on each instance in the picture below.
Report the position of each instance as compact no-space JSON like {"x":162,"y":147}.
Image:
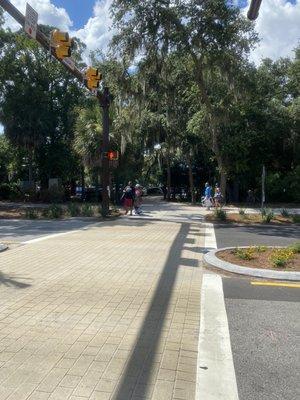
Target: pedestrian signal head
{"x":93,"y":78}
{"x":113,"y":155}
{"x":61,"y":43}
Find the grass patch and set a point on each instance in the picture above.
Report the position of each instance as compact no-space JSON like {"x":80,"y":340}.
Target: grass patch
{"x":73,"y":210}
{"x":53,"y":212}
{"x":87,"y":210}
{"x":267,"y":215}
{"x":31,"y":213}
{"x":284,"y":212}
{"x":220,"y":214}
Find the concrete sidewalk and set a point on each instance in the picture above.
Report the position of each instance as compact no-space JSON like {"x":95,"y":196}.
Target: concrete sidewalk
{"x":111,"y":312}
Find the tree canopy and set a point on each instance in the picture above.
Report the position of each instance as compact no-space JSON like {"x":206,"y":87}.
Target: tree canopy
{"x":188,"y":105}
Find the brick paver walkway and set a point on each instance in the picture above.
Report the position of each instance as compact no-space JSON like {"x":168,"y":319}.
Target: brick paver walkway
{"x":111,"y":312}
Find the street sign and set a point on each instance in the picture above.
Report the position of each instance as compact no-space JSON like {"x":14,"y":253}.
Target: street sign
{"x":70,"y":62}
{"x":31,"y":19}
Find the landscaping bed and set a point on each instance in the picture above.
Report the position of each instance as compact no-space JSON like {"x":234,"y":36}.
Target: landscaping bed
{"x":273,"y":258}
{"x":264,"y":217}
{"x":54,"y":211}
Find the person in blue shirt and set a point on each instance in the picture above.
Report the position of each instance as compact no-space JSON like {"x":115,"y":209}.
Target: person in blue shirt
{"x":208,"y":196}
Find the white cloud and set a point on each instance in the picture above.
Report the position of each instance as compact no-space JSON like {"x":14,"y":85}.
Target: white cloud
{"x":278,"y":26}
{"x":96,"y":33}
{"x":49,"y":14}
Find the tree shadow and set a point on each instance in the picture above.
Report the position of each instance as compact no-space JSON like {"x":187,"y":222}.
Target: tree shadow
{"x":11,"y":281}
{"x":140,"y":365}
{"x":202,"y":250}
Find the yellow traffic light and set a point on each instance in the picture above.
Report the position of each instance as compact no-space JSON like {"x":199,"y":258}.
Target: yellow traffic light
{"x":61,"y":43}
{"x":93,"y":78}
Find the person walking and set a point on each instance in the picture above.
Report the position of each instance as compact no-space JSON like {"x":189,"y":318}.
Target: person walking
{"x":218,"y":197}
{"x":207,"y":196}
{"x":128,"y":197}
{"x":138,"y":199}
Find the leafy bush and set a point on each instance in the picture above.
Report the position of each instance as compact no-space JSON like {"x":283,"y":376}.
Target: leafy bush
{"x":87,"y":210}
{"x":296,"y":218}
{"x":284,"y":212}
{"x":280,"y":257}
{"x":283,"y":186}
{"x":73,"y":209}
{"x":10,"y":191}
{"x":5,"y":191}
{"x":267,"y":215}
{"x":260,"y":249}
{"x":52,"y":195}
{"x":242,"y":212}
{"x":31,"y":213}
{"x":220,"y":214}
{"x":53,"y":212}
{"x":245,"y":254}
{"x":295,"y":247}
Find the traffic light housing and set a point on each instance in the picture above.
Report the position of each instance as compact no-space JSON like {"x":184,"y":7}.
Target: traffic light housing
{"x":113,"y":155}
{"x":61,"y":43}
{"x":93,"y":78}
{"x":254,"y":9}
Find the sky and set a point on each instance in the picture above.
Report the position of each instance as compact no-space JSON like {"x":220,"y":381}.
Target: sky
{"x":278,"y":23}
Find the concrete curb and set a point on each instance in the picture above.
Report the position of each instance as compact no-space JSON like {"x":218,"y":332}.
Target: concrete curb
{"x":3,"y":247}
{"x":212,"y":260}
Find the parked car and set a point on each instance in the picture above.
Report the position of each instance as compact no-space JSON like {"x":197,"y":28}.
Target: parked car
{"x":91,"y":194}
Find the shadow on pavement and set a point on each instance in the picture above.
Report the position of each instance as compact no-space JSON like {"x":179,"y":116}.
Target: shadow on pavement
{"x":7,"y":280}
{"x":140,"y":364}
{"x":277,"y":231}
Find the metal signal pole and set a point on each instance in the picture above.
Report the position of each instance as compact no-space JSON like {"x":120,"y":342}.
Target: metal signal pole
{"x":104,"y":101}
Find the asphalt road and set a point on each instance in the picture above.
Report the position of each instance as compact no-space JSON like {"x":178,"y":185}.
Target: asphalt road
{"x":24,"y":230}
{"x":231,"y":236}
{"x":264,"y":324}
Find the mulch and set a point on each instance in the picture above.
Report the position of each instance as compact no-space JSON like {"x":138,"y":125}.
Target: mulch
{"x":236,"y":218}
{"x":261,"y":260}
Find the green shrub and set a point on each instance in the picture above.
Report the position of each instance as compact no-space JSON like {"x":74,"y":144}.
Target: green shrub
{"x":284,"y":186}
{"x":54,"y":211}
{"x":296,"y":218}
{"x":87,"y":210}
{"x":31,"y":213}
{"x":220,"y":214}
{"x":280,"y":257}
{"x":10,"y":191}
{"x":245,"y":254}
{"x":5,"y":191}
{"x":295,"y":247}
{"x":260,"y":249}
{"x":284,"y":212}
{"x":267,"y":215}
{"x":73,"y":209}
{"x":53,"y":195}
{"x":242,"y":212}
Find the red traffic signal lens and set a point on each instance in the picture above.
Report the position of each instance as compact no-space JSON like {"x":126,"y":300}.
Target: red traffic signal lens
{"x":113,"y":155}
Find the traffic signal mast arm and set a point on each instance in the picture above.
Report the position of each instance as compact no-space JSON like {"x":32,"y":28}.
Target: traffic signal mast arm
{"x":90,"y":80}
{"x":41,"y":38}
{"x":254,"y":9}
